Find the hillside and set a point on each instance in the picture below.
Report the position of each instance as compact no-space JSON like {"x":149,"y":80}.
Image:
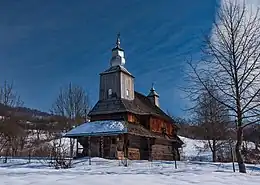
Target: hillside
{"x":22,"y":111}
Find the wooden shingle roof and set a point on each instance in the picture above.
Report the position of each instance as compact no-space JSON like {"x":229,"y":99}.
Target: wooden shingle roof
{"x":141,"y":105}
{"x":113,"y":69}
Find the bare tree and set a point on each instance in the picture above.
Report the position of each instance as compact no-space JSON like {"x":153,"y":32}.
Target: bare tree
{"x":9,"y":101}
{"x":59,"y":154}
{"x":232,"y":63}
{"x":253,"y":135}
{"x":213,"y":121}
{"x":257,"y":140}
{"x":72,"y":104}
{"x":8,"y":97}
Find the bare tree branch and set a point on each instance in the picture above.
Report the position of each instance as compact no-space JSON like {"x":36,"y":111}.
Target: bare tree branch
{"x":10,"y":138}
{"x":232,"y":63}
{"x":72,"y":103}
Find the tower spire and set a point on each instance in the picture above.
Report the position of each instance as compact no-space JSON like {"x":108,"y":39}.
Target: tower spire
{"x":152,"y":88}
{"x":118,"y":57}
{"x":152,"y":91}
{"x":118,"y":40}
{"x":153,"y":96}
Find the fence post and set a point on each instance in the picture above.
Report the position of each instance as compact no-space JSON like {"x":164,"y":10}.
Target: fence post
{"x":102,"y":146}
{"x":89,"y":150}
{"x":77,"y":149}
{"x":29,"y":156}
{"x":126,"y":142}
{"x":232,"y":154}
{"x":175,"y":161}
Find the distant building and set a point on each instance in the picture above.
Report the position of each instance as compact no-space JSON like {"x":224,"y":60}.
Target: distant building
{"x":125,"y":122}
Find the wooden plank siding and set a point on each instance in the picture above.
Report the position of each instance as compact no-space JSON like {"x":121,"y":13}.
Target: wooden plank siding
{"x":117,"y":116}
{"x":134,"y":146}
{"x":139,"y":119}
{"x":132,"y":118}
{"x":157,"y":124}
{"x":138,"y":147}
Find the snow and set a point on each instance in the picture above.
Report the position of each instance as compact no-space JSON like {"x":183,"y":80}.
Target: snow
{"x":195,"y":150}
{"x":109,"y":172}
{"x":34,"y":135}
{"x":64,"y":144}
{"x":192,"y":150}
{"x":98,"y":127}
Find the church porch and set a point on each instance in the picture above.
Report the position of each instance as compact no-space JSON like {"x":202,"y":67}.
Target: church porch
{"x":100,"y":138}
{"x":124,"y":140}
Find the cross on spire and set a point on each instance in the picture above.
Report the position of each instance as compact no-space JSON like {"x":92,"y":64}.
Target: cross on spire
{"x":153,"y":87}
{"x":152,"y":91}
{"x":118,"y":40}
{"x":117,"y":54}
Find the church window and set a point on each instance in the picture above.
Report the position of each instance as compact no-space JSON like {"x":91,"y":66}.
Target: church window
{"x":127,"y":92}
{"x":113,"y":140}
{"x":109,"y":92}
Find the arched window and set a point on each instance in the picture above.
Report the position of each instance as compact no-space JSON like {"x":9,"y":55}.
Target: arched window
{"x":127,"y":92}
{"x":109,"y":92}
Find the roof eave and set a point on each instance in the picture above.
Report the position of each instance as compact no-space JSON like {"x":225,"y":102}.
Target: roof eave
{"x":93,"y":134}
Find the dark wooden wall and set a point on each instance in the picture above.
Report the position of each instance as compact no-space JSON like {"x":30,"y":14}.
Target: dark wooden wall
{"x":115,"y":116}
{"x":144,"y":120}
{"x":139,"y":148}
{"x":156,"y":125}
{"x":152,"y":123}
{"x":132,"y":118}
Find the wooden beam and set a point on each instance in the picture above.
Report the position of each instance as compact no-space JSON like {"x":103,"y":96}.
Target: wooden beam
{"x":89,"y":149}
{"x":126,"y":143}
{"x":102,"y":146}
{"x":77,"y":149}
{"x":149,"y":149}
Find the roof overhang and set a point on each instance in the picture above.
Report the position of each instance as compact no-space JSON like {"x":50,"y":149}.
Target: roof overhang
{"x":98,"y":128}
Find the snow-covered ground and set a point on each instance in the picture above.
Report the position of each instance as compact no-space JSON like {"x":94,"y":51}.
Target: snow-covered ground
{"x":191,"y":150}
{"x":110,"y":172}
{"x":195,"y":149}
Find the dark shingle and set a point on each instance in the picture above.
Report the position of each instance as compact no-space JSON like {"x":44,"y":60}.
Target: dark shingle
{"x":141,"y":105}
{"x":113,"y":69}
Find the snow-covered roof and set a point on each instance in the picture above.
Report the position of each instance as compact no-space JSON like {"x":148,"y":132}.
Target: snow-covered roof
{"x":98,"y":128}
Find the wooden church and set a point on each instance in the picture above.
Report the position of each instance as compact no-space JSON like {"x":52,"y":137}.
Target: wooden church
{"x":126,"y":123}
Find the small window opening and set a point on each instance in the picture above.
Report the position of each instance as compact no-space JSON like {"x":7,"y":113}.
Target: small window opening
{"x":113,"y":140}
{"x":109,"y":92}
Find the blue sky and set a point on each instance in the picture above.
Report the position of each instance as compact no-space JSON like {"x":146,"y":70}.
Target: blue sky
{"x":46,"y":44}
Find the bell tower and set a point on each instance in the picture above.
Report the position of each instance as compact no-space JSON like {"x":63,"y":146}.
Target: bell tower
{"x":116,"y":82}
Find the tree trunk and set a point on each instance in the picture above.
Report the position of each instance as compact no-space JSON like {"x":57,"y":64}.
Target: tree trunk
{"x":214,"y":152}
{"x":6,"y":155}
{"x":213,"y":149}
{"x":240,"y":160}
{"x":71,"y":147}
